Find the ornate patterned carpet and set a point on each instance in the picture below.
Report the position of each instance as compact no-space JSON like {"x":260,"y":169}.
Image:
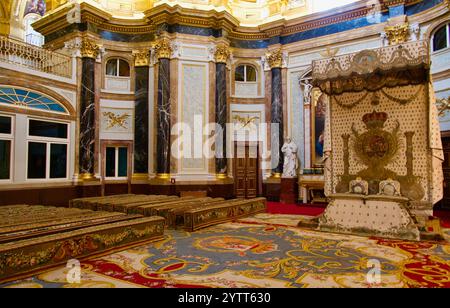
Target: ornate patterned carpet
{"x":262,"y":251}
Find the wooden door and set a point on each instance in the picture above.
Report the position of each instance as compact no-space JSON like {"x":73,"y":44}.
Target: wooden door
{"x":246,"y":171}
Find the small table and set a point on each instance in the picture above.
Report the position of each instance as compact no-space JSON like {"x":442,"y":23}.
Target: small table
{"x":310,"y":183}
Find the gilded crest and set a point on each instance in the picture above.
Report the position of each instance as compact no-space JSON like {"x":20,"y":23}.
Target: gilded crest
{"x":116,"y":120}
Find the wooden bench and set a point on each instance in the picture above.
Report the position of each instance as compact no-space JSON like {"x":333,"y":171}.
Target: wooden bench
{"x":201,"y":217}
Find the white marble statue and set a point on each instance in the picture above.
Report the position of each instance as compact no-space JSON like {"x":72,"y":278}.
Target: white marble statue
{"x":307,"y":87}
{"x":290,"y":165}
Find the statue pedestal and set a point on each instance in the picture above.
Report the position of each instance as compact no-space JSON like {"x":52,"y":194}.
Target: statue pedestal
{"x":289,"y":190}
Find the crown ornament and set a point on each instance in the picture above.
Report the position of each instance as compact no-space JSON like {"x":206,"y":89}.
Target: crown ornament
{"x":375,"y":119}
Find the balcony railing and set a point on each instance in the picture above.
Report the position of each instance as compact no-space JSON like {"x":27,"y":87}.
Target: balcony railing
{"x":33,"y":39}
{"x":37,"y":58}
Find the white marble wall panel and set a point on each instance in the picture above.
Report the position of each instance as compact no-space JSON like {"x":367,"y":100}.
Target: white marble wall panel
{"x":193,"y":112}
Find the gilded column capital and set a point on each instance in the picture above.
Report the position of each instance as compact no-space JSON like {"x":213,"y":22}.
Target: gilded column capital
{"x":397,"y":34}
{"x":163,"y":48}
{"x":88,"y":49}
{"x":275,"y":59}
{"x":222,"y":53}
{"x":141,"y":57}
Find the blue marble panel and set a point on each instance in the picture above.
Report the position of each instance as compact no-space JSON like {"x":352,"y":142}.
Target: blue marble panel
{"x":256,"y":44}
{"x":122,"y":37}
{"x":421,"y":6}
{"x":194,"y":30}
{"x":396,"y":10}
{"x":330,"y":29}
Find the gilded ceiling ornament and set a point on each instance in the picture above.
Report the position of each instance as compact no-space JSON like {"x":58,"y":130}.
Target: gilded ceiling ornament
{"x":89,"y":49}
{"x":141,"y":57}
{"x":162,"y":48}
{"x":275,"y":59}
{"x":222,"y":54}
{"x":397,"y":34}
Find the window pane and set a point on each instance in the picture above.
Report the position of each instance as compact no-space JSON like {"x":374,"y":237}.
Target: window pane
{"x":124,"y":68}
{"x":5,"y":159}
{"x":58,"y":161}
{"x":47,"y":129}
{"x":36,"y":160}
{"x":239,"y":75}
{"x":110,"y":162}
{"x":251,"y":73}
{"x":5,"y":125}
{"x":123,"y":162}
{"x":440,"y":39}
{"x":111,"y":67}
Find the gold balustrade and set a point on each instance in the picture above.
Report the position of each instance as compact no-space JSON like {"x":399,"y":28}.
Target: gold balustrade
{"x":19,"y":53}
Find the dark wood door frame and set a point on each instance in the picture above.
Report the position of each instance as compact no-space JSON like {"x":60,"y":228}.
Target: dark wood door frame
{"x":116,"y":143}
{"x":258,"y":145}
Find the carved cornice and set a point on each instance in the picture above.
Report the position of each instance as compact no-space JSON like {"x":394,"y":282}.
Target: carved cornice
{"x":222,"y":53}
{"x":389,"y":3}
{"x":141,"y":57}
{"x":162,"y":48}
{"x":397,"y":34}
{"x":275,"y":59}
{"x":165,"y":14}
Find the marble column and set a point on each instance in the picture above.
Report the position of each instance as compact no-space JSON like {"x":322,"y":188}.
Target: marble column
{"x":89,"y":52}
{"x":141,"y":122}
{"x":275,"y":61}
{"x":221,"y":56}
{"x":163,"y":52}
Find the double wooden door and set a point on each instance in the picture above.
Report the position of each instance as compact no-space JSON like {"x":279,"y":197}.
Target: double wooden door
{"x":246,"y":170}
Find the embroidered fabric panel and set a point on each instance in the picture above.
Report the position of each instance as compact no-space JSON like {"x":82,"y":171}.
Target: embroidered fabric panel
{"x":410,"y":117}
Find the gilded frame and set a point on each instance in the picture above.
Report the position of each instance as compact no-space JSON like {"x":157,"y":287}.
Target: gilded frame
{"x":315,"y":160}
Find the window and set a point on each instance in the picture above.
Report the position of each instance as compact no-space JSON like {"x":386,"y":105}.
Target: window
{"x":116,"y":162}
{"x":47,"y":150}
{"x":31,"y":36}
{"x":6,"y":138}
{"x":23,"y":98}
{"x":440,"y":39}
{"x":117,"y":68}
{"x":245,"y":73}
